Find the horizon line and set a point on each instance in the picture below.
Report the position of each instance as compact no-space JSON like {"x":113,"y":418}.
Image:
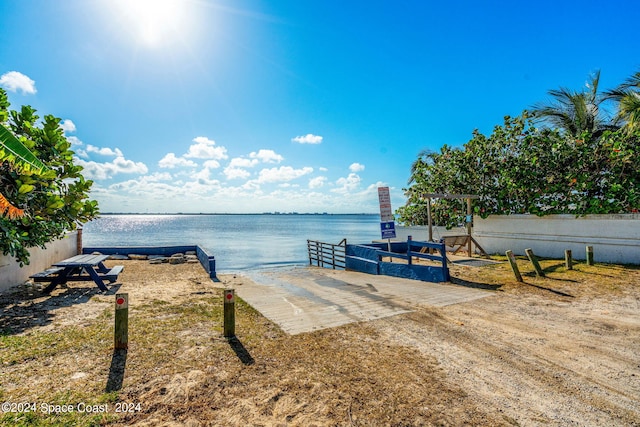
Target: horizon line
{"x":235,"y":213}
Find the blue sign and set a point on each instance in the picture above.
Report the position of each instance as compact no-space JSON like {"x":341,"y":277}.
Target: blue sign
{"x":388,"y":229}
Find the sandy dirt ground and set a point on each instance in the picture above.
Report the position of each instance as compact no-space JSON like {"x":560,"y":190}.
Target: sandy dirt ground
{"x":562,"y":350}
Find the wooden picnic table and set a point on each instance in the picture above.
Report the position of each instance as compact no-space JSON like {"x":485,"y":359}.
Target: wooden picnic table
{"x":84,"y":267}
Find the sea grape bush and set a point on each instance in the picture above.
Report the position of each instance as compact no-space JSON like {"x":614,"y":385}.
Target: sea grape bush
{"x":522,"y":169}
{"x":55,"y":201}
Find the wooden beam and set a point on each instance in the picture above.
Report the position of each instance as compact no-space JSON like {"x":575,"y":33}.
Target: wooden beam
{"x":449,"y":196}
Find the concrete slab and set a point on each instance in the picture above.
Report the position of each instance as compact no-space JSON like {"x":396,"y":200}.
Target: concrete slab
{"x":305,"y":299}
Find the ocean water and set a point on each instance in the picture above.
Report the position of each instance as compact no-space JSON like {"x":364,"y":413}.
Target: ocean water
{"x":239,"y":242}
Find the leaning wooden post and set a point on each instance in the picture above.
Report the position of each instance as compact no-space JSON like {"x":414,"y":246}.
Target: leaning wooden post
{"x":534,"y":262}
{"x":229,"y":313}
{"x":121,"y":330}
{"x":514,"y":266}
{"x":589,"y":255}
{"x":568,"y":261}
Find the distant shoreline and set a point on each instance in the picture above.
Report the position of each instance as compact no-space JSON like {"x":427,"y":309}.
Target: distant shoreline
{"x":221,"y":213}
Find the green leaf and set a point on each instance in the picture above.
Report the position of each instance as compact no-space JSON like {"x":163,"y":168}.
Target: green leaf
{"x":23,"y":157}
{"x":25,"y":188}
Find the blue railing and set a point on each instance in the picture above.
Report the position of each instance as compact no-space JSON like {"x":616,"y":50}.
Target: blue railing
{"x":369,"y":259}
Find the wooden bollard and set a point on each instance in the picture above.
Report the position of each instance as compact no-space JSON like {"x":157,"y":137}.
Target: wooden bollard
{"x":534,"y":262}
{"x":121,"y":330}
{"x":229,"y":313}
{"x":514,"y":266}
{"x":589,"y":255}
{"x":568,"y":261}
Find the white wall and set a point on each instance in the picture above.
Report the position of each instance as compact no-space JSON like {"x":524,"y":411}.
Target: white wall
{"x":615,"y":238}
{"x":11,"y":274}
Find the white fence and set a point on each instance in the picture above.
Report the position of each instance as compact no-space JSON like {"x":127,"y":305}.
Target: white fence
{"x":11,"y":274}
{"x":615,"y":238}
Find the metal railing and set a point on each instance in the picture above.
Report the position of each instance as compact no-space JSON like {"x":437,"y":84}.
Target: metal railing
{"x":327,"y":254}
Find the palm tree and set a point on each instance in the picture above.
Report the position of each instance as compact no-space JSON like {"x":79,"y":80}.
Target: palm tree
{"x":627,"y":96}
{"x":15,"y":153}
{"x":575,"y":112}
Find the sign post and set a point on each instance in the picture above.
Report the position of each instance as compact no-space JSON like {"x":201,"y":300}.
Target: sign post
{"x":229,"y":313}
{"x":387,"y":220}
{"x":121,"y":330}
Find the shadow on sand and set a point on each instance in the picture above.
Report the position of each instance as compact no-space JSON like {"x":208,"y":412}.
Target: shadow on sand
{"x":242,"y":353}
{"x":116,"y":370}
{"x":26,"y":308}
{"x":475,"y":285}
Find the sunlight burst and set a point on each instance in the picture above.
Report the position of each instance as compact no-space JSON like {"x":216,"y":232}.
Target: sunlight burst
{"x":155,"y":22}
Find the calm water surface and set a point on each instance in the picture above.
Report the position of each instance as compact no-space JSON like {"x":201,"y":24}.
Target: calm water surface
{"x":238,"y":242}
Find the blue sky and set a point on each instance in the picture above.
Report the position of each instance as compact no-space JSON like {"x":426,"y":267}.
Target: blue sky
{"x":283,"y":105}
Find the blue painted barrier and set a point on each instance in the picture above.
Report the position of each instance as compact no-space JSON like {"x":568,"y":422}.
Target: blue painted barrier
{"x":208,"y":261}
{"x":367,"y":258}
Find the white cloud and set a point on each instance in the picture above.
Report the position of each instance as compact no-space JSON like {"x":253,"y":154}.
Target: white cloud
{"x":323,"y":169}
{"x":95,"y":170}
{"x":203,"y":177}
{"x":283,"y":173}
{"x":267,"y":156}
{"x":170,"y":161}
{"x":15,"y":81}
{"x":205,"y":148}
{"x":236,"y":173}
{"x":307,"y":139}
{"x":104,"y":151}
{"x":241,"y":162}
{"x":149,"y":189}
{"x":68,"y":126}
{"x":158,"y":176}
{"x":317,"y":182}
{"x":211,"y":164}
{"x":356,"y":167}
{"x":129,"y":166}
{"x":74,"y":140}
{"x":76,"y":146}
{"x":348,"y":184}
{"x":204,"y":140}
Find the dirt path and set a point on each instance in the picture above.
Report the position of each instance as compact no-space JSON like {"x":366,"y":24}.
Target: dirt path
{"x":536,"y":362}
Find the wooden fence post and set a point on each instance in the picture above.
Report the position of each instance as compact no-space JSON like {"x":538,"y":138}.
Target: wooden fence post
{"x":443,"y":253}
{"x":121,"y":330}
{"x":589,"y":255}
{"x":79,"y":241}
{"x":229,"y":313}
{"x":514,"y":266}
{"x":534,"y":262}
{"x":568,"y":261}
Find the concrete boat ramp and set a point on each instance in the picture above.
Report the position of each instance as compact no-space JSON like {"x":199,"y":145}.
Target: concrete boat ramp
{"x":305,"y":299}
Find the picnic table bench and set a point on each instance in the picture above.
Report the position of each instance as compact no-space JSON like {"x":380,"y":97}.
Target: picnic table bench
{"x":79,"y":268}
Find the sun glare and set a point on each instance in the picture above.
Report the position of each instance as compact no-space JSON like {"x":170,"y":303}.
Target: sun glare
{"x":155,"y":22}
